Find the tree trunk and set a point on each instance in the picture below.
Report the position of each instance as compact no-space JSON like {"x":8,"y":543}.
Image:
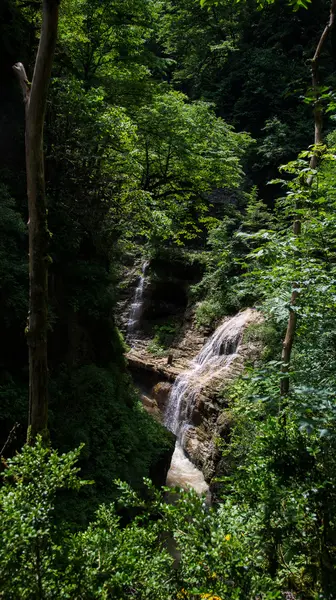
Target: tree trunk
{"x":318,"y":121}
{"x":35,"y":98}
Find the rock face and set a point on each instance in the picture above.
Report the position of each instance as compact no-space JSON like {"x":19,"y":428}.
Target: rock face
{"x":197,"y":402}
{"x":163,"y":283}
{"x":161,"y":393}
{"x":150,"y":405}
{"x":192,"y":388}
{"x":189,"y":342}
{"x":131,"y":274}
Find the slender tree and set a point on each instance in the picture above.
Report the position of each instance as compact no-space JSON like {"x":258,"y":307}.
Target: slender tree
{"x":35,"y":97}
{"x":318,"y":139}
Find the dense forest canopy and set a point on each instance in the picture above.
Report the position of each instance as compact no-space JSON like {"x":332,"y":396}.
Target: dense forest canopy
{"x":190,"y":143}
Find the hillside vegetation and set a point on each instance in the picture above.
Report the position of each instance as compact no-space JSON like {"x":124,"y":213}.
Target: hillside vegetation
{"x":198,"y":135}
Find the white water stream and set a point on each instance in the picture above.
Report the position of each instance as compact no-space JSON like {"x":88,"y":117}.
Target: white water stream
{"x":184,"y":474}
{"x":137,"y":304}
{"x":215,"y":358}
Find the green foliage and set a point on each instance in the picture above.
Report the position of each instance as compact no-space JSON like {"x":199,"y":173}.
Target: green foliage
{"x":38,"y":560}
{"x":208,"y":312}
{"x":280,"y":457}
{"x":121,"y":439}
{"x":276,"y":145}
{"x":91,"y":145}
{"x":229,"y":247}
{"x":112,"y":559}
{"x":223,"y":552}
{"x":279,"y":468}
{"x":265,"y":334}
{"x":279,"y":257}
{"x":107,"y":44}
{"x":296,"y":4}
{"x":13,"y":310}
{"x":185,"y":152}
{"x":131,"y":160}
{"x":14,"y":401}
{"x":156,"y":349}
{"x":149,"y":175}
{"x":253,"y":65}
{"x":13,"y":267}
{"x":29,"y":551}
{"x":163,"y":338}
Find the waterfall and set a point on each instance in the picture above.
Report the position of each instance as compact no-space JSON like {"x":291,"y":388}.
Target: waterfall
{"x":137,"y":304}
{"x":215,"y":358}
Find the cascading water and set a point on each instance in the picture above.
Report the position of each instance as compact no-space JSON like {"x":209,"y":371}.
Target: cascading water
{"x":216,"y":357}
{"x":137,"y":304}
{"x":219,"y":352}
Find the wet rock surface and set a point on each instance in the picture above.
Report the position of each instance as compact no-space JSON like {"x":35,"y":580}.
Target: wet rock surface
{"x":208,"y":419}
{"x":174,"y":362}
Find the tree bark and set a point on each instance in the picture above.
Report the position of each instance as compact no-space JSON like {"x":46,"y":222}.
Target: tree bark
{"x":35,"y":98}
{"x":318,"y":139}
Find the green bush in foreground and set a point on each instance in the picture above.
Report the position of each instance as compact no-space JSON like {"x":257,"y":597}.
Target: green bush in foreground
{"x":220,"y":551}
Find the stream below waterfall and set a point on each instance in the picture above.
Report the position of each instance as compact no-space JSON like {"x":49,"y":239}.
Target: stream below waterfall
{"x":184,"y":474}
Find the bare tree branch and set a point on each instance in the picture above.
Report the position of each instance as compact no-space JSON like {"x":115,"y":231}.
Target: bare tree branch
{"x":10,"y":438}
